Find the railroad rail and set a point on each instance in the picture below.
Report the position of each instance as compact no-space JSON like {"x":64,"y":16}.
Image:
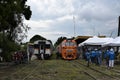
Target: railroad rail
{"x":22,"y":74}
{"x":86,"y":70}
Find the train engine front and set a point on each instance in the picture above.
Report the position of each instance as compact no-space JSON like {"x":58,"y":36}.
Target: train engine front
{"x":69,"y":49}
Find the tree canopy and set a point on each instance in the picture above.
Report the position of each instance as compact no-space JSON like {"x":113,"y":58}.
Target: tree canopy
{"x":59,"y":40}
{"x":12,"y":14}
{"x":37,"y":37}
{"x":12,"y":28}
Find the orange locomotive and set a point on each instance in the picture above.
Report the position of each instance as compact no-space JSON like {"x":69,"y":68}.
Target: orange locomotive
{"x":68,"y":49}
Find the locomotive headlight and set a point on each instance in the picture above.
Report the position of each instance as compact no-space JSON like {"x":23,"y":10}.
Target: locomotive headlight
{"x":64,"y":47}
{"x":74,"y":53}
{"x":74,"y":47}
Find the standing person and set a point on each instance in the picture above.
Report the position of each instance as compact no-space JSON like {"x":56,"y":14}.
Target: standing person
{"x":96,"y":57}
{"x":14,"y":56}
{"x":99,"y":57}
{"x":93,"y":54}
{"x":106,"y":56}
{"x":111,"y":58}
{"x":25,"y":57}
{"x":57,"y":53}
{"x":42,"y":54}
{"x":88,"y":57}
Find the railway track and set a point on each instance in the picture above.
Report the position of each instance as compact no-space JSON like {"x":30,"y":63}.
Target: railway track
{"x":60,"y":70}
{"x":10,"y":70}
{"x":32,"y":72}
{"x":81,"y":71}
{"x":114,"y":72}
{"x":92,"y":72}
{"x":24,"y":72}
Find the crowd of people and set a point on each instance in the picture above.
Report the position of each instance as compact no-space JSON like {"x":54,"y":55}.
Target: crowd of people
{"x":19,"y":57}
{"x":96,"y":56}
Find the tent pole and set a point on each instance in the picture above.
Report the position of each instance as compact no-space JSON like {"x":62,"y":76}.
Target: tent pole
{"x":118,"y":30}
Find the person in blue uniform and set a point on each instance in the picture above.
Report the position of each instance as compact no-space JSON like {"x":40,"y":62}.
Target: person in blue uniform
{"x":111,"y":58}
{"x":106,"y":57}
{"x":99,"y":57}
{"x":93,"y":56}
{"x":88,"y":57}
{"x":96,"y":57}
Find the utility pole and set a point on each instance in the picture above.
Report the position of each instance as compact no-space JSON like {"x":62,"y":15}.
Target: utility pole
{"x":74,"y":25}
{"x":119,"y":26}
{"x":118,"y":32}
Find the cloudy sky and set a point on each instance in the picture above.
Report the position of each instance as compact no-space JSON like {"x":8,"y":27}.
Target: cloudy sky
{"x":55,"y":18}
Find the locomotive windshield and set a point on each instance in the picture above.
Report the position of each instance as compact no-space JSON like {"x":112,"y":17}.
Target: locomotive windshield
{"x":69,"y":43}
{"x":36,"y":46}
{"x":72,"y":44}
{"x":47,"y":45}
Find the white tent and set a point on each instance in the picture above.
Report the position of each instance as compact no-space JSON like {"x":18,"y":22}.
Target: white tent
{"x":95,"y":41}
{"x":114,"y":42}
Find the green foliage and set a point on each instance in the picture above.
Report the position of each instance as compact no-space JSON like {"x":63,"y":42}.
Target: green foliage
{"x":37,"y":37}
{"x":8,"y":48}
{"x":60,"y":39}
{"x":12,"y":28}
{"x":0,"y":40}
{"x":11,"y":18}
{"x":24,"y":46}
{"x":27,"y":13}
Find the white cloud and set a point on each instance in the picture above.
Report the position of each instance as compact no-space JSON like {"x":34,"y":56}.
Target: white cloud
{"x":39,"y":24}
{"x":51,"y":8}
{"x":48,"y":28}
{"x":96,"y":11}
{"x":64,"y":18}
{"x":54,"y":18}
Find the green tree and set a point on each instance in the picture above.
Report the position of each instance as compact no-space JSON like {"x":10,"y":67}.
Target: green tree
{"x":37,"y":37}
{"x":12,"y":13}
{"x":12,"y":28}
{"x":59,"y":40}
{"x":8,"y":48}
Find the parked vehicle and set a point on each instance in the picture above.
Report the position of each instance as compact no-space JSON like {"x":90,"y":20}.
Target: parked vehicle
{"x":68,"y":49}
{"x":41,"y":48}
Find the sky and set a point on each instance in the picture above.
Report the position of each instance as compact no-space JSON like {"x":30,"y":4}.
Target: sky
{"x":55,"y":18}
